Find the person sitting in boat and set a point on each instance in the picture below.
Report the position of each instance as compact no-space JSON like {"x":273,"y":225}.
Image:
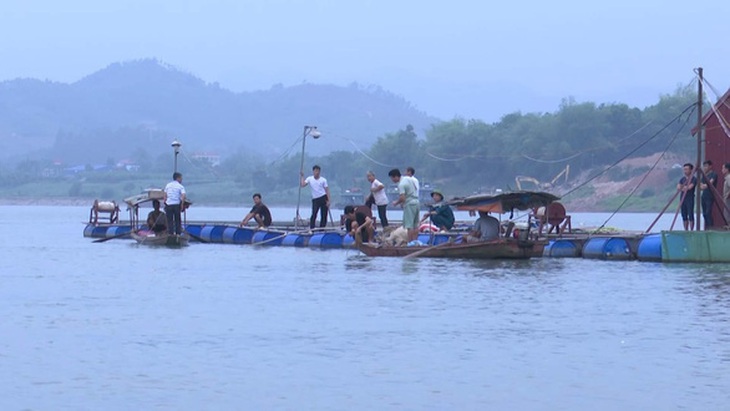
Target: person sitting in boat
{"x":156,"y":219}
{"x":485,"y":228}
{"x":440,"y":213}
{"x":358,"y":222}
{"x":259,"y":212}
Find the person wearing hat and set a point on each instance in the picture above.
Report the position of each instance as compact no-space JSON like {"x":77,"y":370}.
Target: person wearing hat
{"x":440,"y":213}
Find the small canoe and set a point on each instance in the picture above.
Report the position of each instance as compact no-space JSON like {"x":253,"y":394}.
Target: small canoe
{"x":163,"y":239}
{"x":505,"y":248}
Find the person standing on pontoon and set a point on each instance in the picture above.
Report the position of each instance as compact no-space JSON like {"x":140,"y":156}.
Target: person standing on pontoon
{"x":726,"y":192}
{"x":174,"y":200}
{"x":687,"y":187}
{"x":320,"y":196}
{"x":708,"y":185}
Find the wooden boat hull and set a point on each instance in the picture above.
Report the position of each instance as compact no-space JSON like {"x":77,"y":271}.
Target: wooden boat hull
{"x":488,"y":250}
{"x":163,"y":240}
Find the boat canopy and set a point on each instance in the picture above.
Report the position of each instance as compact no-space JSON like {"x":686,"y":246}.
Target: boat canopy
{"x":148,"y":195}
{"x":504,"y":202}
{"x":145,"y":196}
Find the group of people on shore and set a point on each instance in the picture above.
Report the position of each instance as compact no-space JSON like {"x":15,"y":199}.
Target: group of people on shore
{"x":709,"y":186}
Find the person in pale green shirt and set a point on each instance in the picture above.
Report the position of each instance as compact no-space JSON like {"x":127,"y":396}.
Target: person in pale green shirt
{"x":409,"y":200}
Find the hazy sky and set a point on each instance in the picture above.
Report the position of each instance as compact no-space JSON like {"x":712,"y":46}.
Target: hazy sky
{"x":478,"y":59}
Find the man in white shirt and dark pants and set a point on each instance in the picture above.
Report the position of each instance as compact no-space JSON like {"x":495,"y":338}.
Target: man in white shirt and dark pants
{"x":174,"y":201}
{"x":320,"y":196}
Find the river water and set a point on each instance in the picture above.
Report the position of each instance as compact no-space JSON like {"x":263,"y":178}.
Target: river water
{"x":116,"y":326}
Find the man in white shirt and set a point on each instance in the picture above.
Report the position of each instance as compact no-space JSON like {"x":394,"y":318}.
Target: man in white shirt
{"x":320,"y":196}
{"x":174,"y":200}
{"x":381,"y":199}
{"x":411,"y":172}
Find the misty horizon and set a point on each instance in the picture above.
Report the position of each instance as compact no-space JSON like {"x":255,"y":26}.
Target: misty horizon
{"x":469,"y":59}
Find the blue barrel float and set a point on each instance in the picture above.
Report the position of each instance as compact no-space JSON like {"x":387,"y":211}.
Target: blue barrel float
{"x":212,"y":233}
{"x":296,"y":240}
{"x":326,"y":240}
{"x":193,"y":229}
{"x":562,"y":249}
{"x":236,"y":235}
{"x":650,"y":248}
{"x":267,"y":236}
{"x":607,"y":248}
{"x":348,"y":240}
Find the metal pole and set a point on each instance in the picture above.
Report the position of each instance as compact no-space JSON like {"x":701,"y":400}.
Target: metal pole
{"x":301,"y":171}
{"x":176,"y":149}
{"x":698,"y":193}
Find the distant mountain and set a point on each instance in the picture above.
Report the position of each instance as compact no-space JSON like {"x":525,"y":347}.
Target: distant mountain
{"x":150,"y":95}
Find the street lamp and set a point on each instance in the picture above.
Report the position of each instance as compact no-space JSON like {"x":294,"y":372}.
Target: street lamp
{"x":176,"y":147}
{"x":308,"y":131}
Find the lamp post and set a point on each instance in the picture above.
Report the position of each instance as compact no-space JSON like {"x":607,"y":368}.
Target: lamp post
{"x":176,"y":147}
{"x":308,"y":131}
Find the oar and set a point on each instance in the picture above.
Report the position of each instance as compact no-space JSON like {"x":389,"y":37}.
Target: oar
{"x":272,"y":239}
{"x":101,"y":240}
{"x":195,"y":237}
{"x":427,"y":249}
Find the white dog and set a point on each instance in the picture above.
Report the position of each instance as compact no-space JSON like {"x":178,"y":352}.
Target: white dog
{"x":395,"y":237}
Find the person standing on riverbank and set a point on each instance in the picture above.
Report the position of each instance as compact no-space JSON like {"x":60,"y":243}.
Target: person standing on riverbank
{"x":320,"y":196}
{"x":174,"y":200}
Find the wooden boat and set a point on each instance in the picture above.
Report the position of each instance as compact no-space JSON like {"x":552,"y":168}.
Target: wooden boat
{"x":507,"y":246}
{"x":503,"y":248}
{"x":145,"y":237}
{"x":149,"y":237}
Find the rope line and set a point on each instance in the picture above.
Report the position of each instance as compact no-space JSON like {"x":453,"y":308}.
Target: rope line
{"x":646,"y":175}
{"x":645,"y":142}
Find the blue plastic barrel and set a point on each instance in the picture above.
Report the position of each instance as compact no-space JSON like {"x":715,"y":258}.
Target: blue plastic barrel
{"x":212,"y":233}
{"x":194,"y":229}
{"x":562,"y":248}
{"x":440,"y":239}
{"x":88,"y":230}
{"x":99,"y":232}
{"x":424,"y":238}
{"x":236,"y":235}
{"x":650,"y":248}
{"x":607,"y":248}
{"x":348,"y":241}
{"x":117,"y":230}
{"x":296,"y":240}
{"x":261,"y":236}
{"x":326,"y":240}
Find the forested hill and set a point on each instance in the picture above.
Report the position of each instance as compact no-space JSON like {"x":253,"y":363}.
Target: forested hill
{"x":130,"y":102}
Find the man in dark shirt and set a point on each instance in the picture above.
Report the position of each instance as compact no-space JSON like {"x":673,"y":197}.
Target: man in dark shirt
{"x":709,"y":181}
{"x":156,"y":219}
{"x":358,"y":222}
{"x":259,"y":212}
{"x":687,"y":188}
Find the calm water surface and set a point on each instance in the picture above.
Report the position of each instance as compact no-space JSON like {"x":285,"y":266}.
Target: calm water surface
{"x":116,"y":326}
